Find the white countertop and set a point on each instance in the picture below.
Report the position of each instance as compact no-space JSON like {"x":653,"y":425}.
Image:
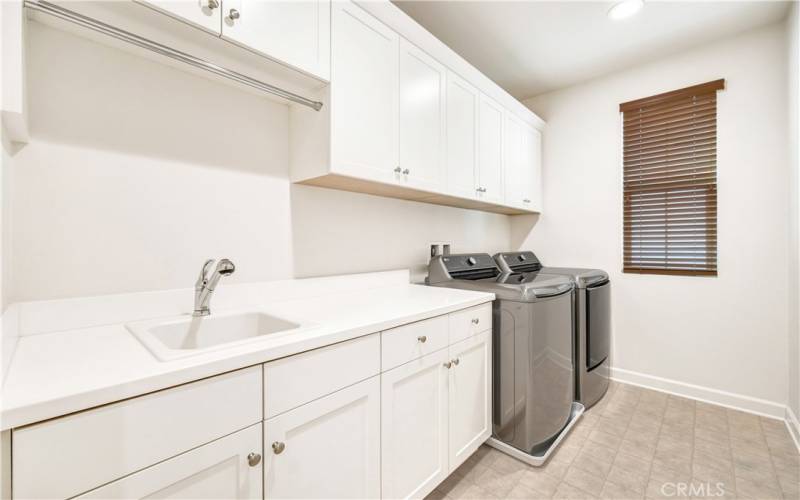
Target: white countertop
{"x":56,"y":373}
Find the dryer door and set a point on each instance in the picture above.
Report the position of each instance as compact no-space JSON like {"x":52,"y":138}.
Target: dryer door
{"x":598,"y":324}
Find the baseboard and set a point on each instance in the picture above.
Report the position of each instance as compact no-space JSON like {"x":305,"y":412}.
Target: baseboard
{"x":728,"y":399}
{"x":794,"y":427}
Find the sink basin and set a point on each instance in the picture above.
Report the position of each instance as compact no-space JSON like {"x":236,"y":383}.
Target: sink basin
{"x":188,"y":335}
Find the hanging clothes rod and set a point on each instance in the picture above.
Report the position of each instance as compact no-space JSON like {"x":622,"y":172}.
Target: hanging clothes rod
{"x":125,"y":36}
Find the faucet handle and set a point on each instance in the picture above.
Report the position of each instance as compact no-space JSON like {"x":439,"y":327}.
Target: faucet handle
{"x":203,"y":278}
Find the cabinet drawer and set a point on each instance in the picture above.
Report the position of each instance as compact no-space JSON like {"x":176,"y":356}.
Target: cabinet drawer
{"x":405,"y":343}
{"x":85,"y":450}
{"x":296,"y":380}
{"x":468,"y":322}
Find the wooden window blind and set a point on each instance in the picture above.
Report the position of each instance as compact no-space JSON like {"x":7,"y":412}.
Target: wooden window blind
{"x":670,"y":182}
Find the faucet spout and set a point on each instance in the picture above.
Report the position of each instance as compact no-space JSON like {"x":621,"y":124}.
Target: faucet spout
{"x":205,"y":286}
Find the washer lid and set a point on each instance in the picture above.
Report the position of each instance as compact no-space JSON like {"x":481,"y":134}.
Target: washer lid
{"x":581,"y":276}
{"x":522,"y":287}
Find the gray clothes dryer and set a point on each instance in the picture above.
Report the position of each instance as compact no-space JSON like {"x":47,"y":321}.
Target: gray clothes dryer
{"x":592,"y":318}
{"x":532,"y":362}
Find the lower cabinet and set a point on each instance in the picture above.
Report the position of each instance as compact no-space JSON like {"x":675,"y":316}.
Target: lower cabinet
{"x":328,"y":448}
{"x":229,"y":467}
{"x":435,"y":412}
{"x":414,"y":426}
{"x":470,"y":396}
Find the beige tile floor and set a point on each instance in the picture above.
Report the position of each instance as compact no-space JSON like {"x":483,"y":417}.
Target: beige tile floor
{"x":637,"y":443}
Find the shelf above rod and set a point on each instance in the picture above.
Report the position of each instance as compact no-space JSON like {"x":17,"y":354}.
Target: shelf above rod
{"x":125,"y":36}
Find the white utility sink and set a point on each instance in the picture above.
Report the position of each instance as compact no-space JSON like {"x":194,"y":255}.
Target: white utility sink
{"x":182,"y":336}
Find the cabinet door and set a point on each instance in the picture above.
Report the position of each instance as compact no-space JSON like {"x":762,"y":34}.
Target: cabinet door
{"x":422,"y":120}
{"x":490,"y":150}
{"x":206,"y":14}
{"x":219,"y":469}
{"x":514,"y":169}
{"x":462,"y":137}
{"x":470,"y":396}
{"x":414,"y":427}
{"x":364,"y":95}
{"x":329,"y":448}
{"x":296,"y":32}
{"x":532,"y":161}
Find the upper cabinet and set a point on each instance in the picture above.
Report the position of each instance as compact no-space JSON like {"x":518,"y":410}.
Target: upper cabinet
{"x":296,"y":32}
{"x":422,"y":118}
{"x":490,"y":151}
{"x":522,"y":165}
{"x":462,"y":137}
{"x":363,"y":133}
{"x":204,"y":13}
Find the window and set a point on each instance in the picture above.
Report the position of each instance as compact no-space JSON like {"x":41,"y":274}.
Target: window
{"x":670,"y":182}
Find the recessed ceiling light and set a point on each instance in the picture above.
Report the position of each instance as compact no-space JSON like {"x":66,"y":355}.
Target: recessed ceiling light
{"x":624,"y":9}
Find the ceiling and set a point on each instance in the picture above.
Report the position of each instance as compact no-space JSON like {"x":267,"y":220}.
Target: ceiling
{"x":532,"y":47}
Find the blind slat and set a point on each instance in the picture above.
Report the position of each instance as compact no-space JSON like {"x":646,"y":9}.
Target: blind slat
{"x":669,"y":152}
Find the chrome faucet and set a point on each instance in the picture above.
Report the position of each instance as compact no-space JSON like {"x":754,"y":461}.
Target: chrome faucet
{"x":205,"y":286}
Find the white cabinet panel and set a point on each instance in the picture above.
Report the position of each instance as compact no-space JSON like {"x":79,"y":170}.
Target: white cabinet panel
{"x":462,"y":136}
{"x":532,"y":159}
{"x":414,"y":427}
{"x":422,"y":118}
{"x":522,"y":164}
{"x":490,"y":150}
{"x":204,"y":13}
{"x":220,"y":469}
{"x":468,"y":322}
{"x":364,"y":95}
{"x":404,"y":343}
{"x":514,"y":168}
{"x":296,"y":380}
{"x":296,"y":32}
{"x":101,"y":445}
{"x":469,"y":397}
{"x":329,"y":448}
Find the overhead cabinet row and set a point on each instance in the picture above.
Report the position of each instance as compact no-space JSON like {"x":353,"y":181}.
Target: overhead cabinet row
{"x":397,"y":122}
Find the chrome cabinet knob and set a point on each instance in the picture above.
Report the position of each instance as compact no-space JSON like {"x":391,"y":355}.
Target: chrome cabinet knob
{"x":422,"y":339}
{"x":526,"y":200}
{"x":397,"y":170}
{"x":448,"y":365}
{"x":481,"y":189}
{"x":211,"y":4}
{"x":406,"y":172}
{"x":254,"y":459}
{"x":456,"y":361}
{"x":278,"y":447}
{"x":233,"y":14}
{"x":475,"y":321}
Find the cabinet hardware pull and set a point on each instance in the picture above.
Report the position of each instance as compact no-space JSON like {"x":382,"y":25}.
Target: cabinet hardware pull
{"x":212,"y":4}
{"x":278,"y":447}
{"x":406,"y":172}
{"x":456,"y":361}
{"x":526,"y":200}
{"x":422,"y":339}
{"x":254,"y":459}
{"x":448,"y":365}
{"x":475,"y":321}
{"x":234,"y":14}
{"x":397,"y":170}
{"x":481,"y":189}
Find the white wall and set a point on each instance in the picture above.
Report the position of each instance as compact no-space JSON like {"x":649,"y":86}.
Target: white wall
{"x":137,"y":172}
{"x":793,"y":83}
{"x":727,"y":333}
